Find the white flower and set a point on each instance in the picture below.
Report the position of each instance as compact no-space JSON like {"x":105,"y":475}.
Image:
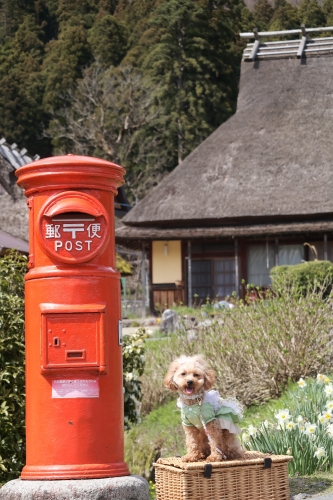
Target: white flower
{"x":329,"y":390}
{"x":329,"y":430}
{"x":246,"y":438}
{"x":149,"y":331}
{"x":321,"y":418}
{"x":327,"y":380}
{"x":129,"y":376}
{"x":299,"y":419}
{"x":289,"y":451}
{"x":329,"y":405}
{"x":252,"y":430}
{"x":290,"y":425}
{"x":301,"y":383}
{"x":328,"y":416}
{"x":302,"y":428}
{"x":282,"y":416}
{"x":310,"y":429}
{"x":320,"y":378}
{"x":320,"y":453}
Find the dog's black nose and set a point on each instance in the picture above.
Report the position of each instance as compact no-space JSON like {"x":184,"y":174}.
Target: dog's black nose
{"x":190,"y":382}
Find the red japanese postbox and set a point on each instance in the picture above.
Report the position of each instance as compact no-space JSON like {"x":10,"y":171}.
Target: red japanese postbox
{"x":74,"y":390}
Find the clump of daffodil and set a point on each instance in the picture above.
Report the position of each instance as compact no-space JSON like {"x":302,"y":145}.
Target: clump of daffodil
{"x":246,"y":438}
{"x":290,"y":425}
{"x":329,"y":390}
{"x":282,"y":416}
{"x":329,"y":405}
{"x":325,"y":417}
{"x":321,"y":378}
{"x":329,"y":430}
{"x":301,"y":383}
{"x":252,"y":430}
{"x":320,"y":452}
{"x":310,"y":429}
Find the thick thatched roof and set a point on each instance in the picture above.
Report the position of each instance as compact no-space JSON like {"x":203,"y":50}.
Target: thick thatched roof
{"x":13,"y":206}
{"x":272,"y":159}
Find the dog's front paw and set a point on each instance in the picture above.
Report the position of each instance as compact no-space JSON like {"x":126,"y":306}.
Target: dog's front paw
{"x":193,"y":457}
{"x":214,"y":457}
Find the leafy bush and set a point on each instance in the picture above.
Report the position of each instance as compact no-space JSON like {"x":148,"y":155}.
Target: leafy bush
{"x":304,"y":429}
{"x":133,"y":366}
{"x":12,"y":389}
{"x":314,"y":274}
{"x":254,"y":348}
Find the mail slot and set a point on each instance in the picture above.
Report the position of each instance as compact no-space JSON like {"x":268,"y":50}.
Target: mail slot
{"x":74,"y":390}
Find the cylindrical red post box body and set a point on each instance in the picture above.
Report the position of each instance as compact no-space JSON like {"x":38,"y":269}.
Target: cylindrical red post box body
{"x":74,"y":389}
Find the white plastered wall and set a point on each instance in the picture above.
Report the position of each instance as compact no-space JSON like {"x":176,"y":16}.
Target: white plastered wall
{"x":166,"y":262}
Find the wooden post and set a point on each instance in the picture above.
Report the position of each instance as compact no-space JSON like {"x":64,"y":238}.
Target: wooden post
{"x":189,"y":267}
{"x":276,"y":252}
{"x":143,"y":278}
{"x":237,"y":268}
{"x":325,"y":247}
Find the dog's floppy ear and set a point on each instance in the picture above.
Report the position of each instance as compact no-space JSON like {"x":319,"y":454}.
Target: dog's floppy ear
{"x":168,"y":379}
{"x":209,"y":378}
{"x":209,"y":372}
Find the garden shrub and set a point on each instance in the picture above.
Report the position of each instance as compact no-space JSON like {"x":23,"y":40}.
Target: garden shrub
{"x":133,"y":367}
{"x":254,"y":348}
{"x":12,"y":389}
{"x":315,"y":274}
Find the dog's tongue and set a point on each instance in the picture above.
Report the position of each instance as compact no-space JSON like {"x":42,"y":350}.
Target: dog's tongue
{"x":189,"y":390}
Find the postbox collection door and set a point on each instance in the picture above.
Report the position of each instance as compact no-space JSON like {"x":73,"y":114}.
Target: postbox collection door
{"x":73,"y":340}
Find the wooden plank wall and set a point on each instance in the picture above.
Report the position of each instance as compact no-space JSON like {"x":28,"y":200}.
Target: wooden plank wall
{"x":167,"y":298}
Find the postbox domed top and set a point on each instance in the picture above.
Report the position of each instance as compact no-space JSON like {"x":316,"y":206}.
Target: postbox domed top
{"x":70,"y":172}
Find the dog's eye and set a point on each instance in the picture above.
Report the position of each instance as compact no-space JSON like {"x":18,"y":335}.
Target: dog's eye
{"x":196,"y":375}
{"x":183,"y":374}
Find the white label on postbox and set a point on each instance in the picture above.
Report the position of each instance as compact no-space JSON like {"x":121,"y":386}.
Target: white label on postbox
{"x":69,"y":388}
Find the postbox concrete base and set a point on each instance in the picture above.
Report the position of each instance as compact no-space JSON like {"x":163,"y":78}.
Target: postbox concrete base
{"x":115,"y":488}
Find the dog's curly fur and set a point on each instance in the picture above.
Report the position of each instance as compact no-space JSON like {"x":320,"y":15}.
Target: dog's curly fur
{"x":190,"y":376}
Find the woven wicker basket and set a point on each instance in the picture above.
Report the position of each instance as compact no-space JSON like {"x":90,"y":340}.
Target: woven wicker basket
{"x":256,"y":477}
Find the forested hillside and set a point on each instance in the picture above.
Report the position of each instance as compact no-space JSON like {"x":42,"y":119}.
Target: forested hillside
{"x":138,"y":82}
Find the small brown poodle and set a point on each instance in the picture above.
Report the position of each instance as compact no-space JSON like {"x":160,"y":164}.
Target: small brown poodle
{"x":209,"y":422}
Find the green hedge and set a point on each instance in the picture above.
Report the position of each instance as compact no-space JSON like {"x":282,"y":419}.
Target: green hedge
{"x":315,"y":274}
{"x":12,"y":391}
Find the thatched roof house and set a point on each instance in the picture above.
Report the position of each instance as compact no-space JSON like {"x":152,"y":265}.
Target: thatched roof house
{"x":13,"y":206}
{"x":263,"y":179}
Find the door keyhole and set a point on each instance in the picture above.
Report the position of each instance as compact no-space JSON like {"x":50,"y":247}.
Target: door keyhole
{"x":56,"y":341}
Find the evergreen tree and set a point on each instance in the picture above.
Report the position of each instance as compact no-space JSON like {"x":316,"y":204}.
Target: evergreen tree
{"x":328,"y":12}
{"x":310,"y":14}
{"x":108,"y":39}
{"x":65,"y":58}
{"x":190,"y":63}
{"x":285,"y":17}
{"x":262,"y":14}
{"x":22,"y":86}
{"x":247,"y":20}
